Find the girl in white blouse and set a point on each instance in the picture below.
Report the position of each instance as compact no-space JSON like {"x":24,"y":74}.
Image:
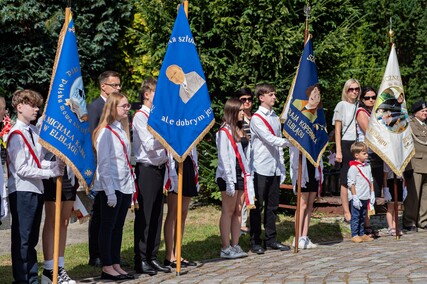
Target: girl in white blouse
{"x":233,"y":176}
{"x":114,"y":181}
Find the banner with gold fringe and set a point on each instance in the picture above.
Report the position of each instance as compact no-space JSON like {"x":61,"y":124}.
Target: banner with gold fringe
{"x":388,"y":133}
{"x":65,"y":130}
{"x":181,"y":113}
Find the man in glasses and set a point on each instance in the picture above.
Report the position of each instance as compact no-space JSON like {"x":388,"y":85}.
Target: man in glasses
{"x":245,"y":95}
{"x":109,"y":83}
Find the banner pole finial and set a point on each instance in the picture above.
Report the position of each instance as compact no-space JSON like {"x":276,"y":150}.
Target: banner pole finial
{"x":307,"y":10}
{"x":391,"y":33}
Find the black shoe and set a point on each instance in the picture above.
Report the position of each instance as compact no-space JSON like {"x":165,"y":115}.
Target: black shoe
{"x":277,"y":246}
{"x":157,"y":266}
{"x":105,"y":275}
{"x":186,"y":263}
{"x":142,"y":267}
{"x":95,"y":262}
{"x":128,"y":276}
{"x":257,"y":249}
{"x":410,"y":228}
{"x":169,"y":263}
{"x":47,"y":277}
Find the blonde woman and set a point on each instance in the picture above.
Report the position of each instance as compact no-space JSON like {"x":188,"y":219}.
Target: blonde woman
{"x":345,"y":134}
{"x":114,"y":182}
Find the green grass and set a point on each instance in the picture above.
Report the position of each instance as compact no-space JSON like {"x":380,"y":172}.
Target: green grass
{"x":201,"y":241}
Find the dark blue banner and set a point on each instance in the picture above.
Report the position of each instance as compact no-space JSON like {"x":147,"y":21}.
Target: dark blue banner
{"x":65,"y":130}
{"x":304,"y":118}
{"x":181,"y":114}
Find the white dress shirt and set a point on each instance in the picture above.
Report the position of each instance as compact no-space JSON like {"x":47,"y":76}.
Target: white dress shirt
{"x":146,"y":148}
{"x":112,"y":171}
{"x":227,"y":158}
{"x":25,"y":175}
{"x":362,"y":186}
{"x":267,"y":149}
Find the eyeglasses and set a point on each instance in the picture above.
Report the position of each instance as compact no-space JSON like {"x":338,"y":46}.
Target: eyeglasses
{"x":243,"y":100}
{"x":112,"y":85}
{"x":370,"y":98}
{"x":125,"y":106}
{"x":353,"y":89}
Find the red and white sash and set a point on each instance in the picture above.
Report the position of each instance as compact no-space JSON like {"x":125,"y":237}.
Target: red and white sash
{"x":135,"y":195}
{"x":248,"y":190}
{"x":33,"y":154}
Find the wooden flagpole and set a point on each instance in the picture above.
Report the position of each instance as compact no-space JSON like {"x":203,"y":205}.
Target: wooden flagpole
{"x":178,"y":228}
{"x":58,"y":198}
{"x":297,"y":214}
{"x":395,"y":203}
{"x":396,"y":208}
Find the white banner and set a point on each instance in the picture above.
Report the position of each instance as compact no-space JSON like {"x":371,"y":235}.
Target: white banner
{"x":388,"y":133}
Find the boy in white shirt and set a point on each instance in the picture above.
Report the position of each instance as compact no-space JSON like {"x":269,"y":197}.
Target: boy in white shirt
{"x":26,"y":171}
{"x":269,"y":170}
{"x":359,"y":180}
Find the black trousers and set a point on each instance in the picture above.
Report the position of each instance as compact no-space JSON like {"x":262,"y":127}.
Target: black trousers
{"x":148,"y":218}
{"x":267,"y":198}
{"x":94,"y":227}
{"x":111,"y":231}
{"x":26,"y":210}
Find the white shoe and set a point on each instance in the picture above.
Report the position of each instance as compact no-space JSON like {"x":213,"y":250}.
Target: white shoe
{"x":228,"y":253}
{"x":239,"y":252}
{"x":302,"y":243}
{"x":309,"y":244}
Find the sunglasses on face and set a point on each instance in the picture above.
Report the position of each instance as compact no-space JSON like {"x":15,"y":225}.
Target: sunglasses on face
{"x":243,"y":100}
{"x":370,"y":98}
{"x":354,"y":89}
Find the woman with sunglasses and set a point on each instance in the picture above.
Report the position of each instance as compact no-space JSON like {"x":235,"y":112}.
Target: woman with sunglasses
{"x":344,"y":120}
{"x":363,"y":113}
{"x":245,"y":95}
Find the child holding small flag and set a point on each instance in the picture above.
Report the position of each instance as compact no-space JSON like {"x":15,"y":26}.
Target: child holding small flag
{"x":359,"y":180}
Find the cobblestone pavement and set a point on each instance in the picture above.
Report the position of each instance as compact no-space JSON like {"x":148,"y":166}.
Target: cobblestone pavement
{"x":385,"y":260}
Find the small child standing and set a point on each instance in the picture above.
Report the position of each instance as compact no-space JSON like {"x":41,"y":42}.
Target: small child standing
{"x":359,"y":180}
{"x":389,"y":197}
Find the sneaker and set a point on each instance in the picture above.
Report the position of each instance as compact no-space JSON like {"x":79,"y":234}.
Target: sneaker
{"x":392,"y":232}
{"x":366,"y":238}
{"x":309,"y":244}
{"x":302,"y":243}
{"x":64,"y":276}
{"x":47,"y":277}
{"x":356,"y":239}
{"x":228,"y":253}
{"x":239,"y":252}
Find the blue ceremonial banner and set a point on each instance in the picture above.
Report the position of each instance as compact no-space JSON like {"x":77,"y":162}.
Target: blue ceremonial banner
{"x":181,"y":114}
{"x":65,"y":130}
{"x":304,"y":119}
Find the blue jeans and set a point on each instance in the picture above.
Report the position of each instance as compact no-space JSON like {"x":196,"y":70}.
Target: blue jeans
{"x":358,"y":218}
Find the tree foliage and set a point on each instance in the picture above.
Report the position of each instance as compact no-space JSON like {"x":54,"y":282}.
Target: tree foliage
{"x":240,"y":43}
{"x":29,"y":37}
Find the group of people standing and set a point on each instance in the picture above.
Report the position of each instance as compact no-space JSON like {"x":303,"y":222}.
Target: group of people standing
{"x":351,"y":119}
{"x":118,"y":186}
{"x":249,"y":173}
{"x":250,"y":170}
